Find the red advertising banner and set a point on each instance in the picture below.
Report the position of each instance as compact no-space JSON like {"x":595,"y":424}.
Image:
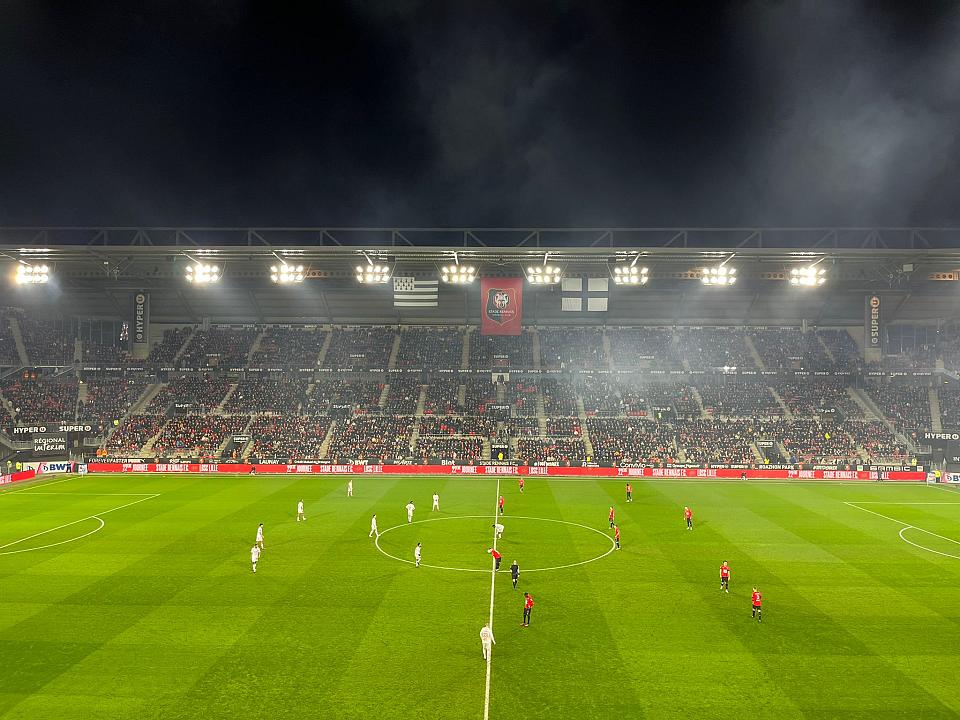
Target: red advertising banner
{"x":545,"y":471}
{"x":501,"y":306}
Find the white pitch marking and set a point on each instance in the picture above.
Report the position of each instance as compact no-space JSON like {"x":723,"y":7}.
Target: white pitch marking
{"x":493,"y":581}
{"x":88,"y":517}
{"x":908,"y":526}
{"x":62,"y":542}
{"x":34,"y":486}
{"x":512,"y":517}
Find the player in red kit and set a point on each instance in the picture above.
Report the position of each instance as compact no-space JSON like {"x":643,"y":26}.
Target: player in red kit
{"x":521,"y":484}
{"x":527,"y":607}
{"x":496,"y":557}
{"x":616,"y":536}
{"x":725,"y":576}
{"x":629,"y":492}
{"x":757,"y":600}
{"x":688,"y":515}
{"x":500,"y":504}
{"x":610,"y":516}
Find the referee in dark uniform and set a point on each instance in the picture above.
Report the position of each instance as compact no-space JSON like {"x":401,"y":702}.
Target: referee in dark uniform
{"x":514,"y":573}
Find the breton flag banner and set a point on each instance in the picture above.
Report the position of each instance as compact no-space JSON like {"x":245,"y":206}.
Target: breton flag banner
{"x":578,"y":294}
{"x":410,"y":292}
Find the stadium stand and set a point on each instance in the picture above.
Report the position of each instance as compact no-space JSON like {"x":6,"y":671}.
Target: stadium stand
{"x":430,"y":348}
{"x":284,"y":347}
{"x":197,"y":436}
{"x":285,"y":438}
{"x":327,"y":392}
{"x":572,"y":347}
{"x":35,"y":399}
{"x":47,"y":342}
{"x":133,"y":433}
{"x":360,"y":348}
{"x":219,"y":348}
{"x":371,"y":437}
{"x":259,"y":395}
{"x":491,"y":351}
{"x":644,"y":348}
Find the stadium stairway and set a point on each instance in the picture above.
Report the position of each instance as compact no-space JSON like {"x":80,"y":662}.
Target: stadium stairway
{"x":699,"y":398}
{"x":867,"y":401}
{"x":77,"y":351}
{"x":826,"y":349}
{"x":753,"y":352}
{"x":541,"y":415}
{"x":148,"y":445}
{"x":394,"y":351}
{"x":382,"y":401}
{"x":186,"y":344}
{"x":465,"y":353}
{"x":535,"y":337}
{"x":787,"y":414}
{"x":148,"y":395}
{"x":868,"y":409}
{"x":325,"y":445}
{"x":325,"y":347}
{"x":254,"y":346}
{"x":18,"y":340}
{"x":584,"y":433}
{"x":223,"y":403}
{"x":936,"y":422}
{"x":607,"y":350}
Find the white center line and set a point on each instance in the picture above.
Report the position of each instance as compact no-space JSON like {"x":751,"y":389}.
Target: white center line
{"x":493,"y":582}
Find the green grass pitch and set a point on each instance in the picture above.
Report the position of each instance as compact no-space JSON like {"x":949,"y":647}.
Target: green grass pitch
{"x":132,"y":597}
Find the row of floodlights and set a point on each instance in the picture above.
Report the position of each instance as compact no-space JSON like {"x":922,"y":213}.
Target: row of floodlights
{"x":808,"y":276}
{"x":32,"y":274}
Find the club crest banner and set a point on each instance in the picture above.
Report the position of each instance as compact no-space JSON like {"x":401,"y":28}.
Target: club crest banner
{"x":501,"y":306}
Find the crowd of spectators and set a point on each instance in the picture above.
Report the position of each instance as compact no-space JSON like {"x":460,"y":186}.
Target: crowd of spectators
{"x":815,"y":441}
{"x":403,"y":394}
{"x":9,"y":357}
{"x":710,"y":348}
{"x":516,"y":351}
{"x":790,"y":349}
{"x":363,"y":394}
{"x":259,"y":395}
{"x":631,"y":441}
{"x":35,"y":399}
{"x":819,"y":396}
{"x":522,"y":397}
{"x":739,"y":398}
{"x":380,"y":437}
{"x":133,"y":433}
{"x":105,"y":354}
{"x":643,"y":348}
{"x":360,"y":348}
{"x":109,"y":398}
{"x":949,"y":396}
{"x":567,"y":451}
{"x":905,"y":401}
{"x":723,"y":441}
{"x":558,"y":397}
{"x":478,"y":394}
{"x":521,"y":427}
{"x":430,"y":348}
{"x":163,"y":353}
{"x":442,"y":398}
{"x":197,"y":435}
{"x":456,"y":425}
{"x":219,"y":348}
{"x":572,"y":347}
{"x":846,"y":354}
{"x":202,"y":392}
{"x":47,"y":342}
{"x":458,"y":450}
{"x":285,"y":347}
{"x":877,"y":441}
{"x":285,"y":437}
{"x":562,"y":427}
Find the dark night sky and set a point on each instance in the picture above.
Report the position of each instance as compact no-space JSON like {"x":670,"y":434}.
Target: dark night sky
{"x":226,"y":112}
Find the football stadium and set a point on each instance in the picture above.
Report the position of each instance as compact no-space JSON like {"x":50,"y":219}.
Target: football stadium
{"x":372,"y":360}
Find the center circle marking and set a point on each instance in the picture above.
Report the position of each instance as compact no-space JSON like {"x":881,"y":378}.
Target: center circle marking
{"x":602,"y":534}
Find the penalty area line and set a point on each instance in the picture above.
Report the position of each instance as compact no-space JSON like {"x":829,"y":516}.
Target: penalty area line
{"x":908,"y":526}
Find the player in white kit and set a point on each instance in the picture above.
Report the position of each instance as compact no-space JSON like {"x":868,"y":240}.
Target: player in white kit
{"x":259,"y":540}
{"x":486,"y":639}
{"x":498,"y":529}
{"x":300,"y":515}
{"x":436,"y":501}
{"x":254,"y":556}
{"x":373,"y":527}
{"x":410,"y":508}
{"x":416,"y":556}
{"x":350,"y":488}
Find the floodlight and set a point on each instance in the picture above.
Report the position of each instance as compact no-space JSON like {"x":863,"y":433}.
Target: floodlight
{"x":719,"y":275}
{"x":810,"y":276}
{"x":372,"y":274}
{"x":202,"y":273}
{"x":284,"y":274}
{"x":543,"y":275}
{"x":32,"y":274}
{"x":458,"y":274}
{"x":630,"y":275}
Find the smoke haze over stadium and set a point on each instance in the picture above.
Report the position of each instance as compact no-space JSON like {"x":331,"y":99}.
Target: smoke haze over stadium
{"x":236,"y":113}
